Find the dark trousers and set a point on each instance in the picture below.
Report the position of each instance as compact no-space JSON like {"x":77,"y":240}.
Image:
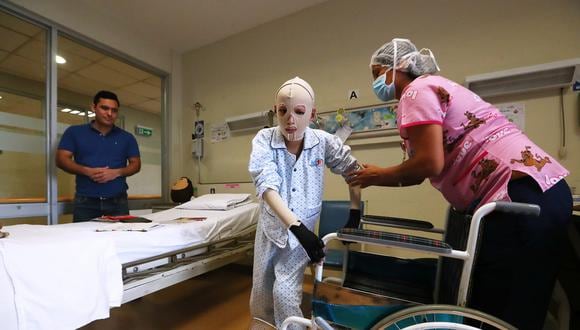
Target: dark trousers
{"x":519,"y":256}
{"x":87,"y":208}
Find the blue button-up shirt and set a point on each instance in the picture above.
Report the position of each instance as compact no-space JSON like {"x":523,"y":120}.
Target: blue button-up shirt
{"x":300,"y":182}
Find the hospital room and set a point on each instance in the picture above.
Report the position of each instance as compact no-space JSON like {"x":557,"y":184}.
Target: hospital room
{"x":307,"y":164}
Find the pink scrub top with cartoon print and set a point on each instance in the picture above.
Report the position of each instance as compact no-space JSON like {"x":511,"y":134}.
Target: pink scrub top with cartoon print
{"x":482,"y":147}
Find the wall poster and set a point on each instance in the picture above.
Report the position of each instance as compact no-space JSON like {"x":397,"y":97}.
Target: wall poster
{"x":363,"y":119}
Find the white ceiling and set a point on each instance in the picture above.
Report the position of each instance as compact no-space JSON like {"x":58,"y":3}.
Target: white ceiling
{"x":188,"y":24}
{"x":86,"y":71}
{"x":179,"y":25}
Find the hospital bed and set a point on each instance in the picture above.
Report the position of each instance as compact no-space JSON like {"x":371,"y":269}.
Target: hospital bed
{"x":359,"y":300}
{"x":66,"y":276}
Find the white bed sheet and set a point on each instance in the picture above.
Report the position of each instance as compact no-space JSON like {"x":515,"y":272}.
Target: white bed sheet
{"x":125,"y":247}
{"x":52,"y":280}
{"x":172,"y":236}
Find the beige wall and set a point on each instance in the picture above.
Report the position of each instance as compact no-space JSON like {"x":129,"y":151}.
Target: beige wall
{"x":329,"y":45}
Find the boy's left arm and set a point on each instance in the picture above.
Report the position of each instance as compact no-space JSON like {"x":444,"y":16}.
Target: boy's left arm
{"x":354,"y":193}
{"x":340,"y":161}
{"x":354,"y":213}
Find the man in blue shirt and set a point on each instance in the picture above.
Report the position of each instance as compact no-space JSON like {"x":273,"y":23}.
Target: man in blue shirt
{"x":101,"y":155}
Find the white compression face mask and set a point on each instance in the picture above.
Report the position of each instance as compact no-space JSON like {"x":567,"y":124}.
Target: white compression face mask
{"x":294,"y":104}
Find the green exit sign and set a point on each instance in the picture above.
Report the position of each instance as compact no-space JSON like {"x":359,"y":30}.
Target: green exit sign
{"x":143,"y":131}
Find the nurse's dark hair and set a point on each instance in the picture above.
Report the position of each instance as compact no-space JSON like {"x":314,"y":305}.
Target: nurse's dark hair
{"x":106,"y":95}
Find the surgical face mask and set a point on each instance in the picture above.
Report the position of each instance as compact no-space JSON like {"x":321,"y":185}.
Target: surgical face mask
{"x":294,"y":106}
{"x":383,"y":91}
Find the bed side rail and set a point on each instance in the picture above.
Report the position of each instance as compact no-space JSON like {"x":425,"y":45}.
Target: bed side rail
{"x":145,"y":267}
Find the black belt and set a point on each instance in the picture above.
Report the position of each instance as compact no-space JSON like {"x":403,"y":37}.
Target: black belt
{"x":106,"y":198}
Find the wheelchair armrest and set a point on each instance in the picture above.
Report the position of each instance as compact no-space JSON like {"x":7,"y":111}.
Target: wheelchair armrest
{"x":403,"y":223}
{"x":393,"y":239}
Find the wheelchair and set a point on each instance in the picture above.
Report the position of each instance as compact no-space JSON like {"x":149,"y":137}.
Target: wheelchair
{"x":384,"y":292}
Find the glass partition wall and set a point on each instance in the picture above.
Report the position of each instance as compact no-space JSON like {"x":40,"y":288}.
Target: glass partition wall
{"x":39,"y":99}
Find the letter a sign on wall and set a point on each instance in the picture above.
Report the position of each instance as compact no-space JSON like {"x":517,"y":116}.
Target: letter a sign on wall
{"x":353,"y":94}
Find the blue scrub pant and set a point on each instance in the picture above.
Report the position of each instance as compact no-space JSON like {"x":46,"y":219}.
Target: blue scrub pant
{"x":520,"y":256}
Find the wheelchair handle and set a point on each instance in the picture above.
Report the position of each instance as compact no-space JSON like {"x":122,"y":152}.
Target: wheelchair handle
{"x":499,"y":206}
{"x":518,"y":208}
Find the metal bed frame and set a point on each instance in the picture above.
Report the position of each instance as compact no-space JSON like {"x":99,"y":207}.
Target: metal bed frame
{"x":148,"y":275}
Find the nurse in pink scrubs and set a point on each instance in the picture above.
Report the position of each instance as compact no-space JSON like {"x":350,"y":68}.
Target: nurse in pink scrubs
{"x":473,"y":155}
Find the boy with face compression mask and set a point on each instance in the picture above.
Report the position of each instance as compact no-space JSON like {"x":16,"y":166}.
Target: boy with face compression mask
{"x":287,"y":167}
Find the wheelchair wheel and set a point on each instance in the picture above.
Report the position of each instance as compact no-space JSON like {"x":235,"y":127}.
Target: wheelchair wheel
{"x":441,"y":317}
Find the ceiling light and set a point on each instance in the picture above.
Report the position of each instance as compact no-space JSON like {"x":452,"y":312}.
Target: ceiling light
{"x":60,"y":59}
{"x":81,"y":113}
{"x":1,"y":97}
{"x":91,"y":115}
{"x":74,"y":112}
{"x":65,"y":110}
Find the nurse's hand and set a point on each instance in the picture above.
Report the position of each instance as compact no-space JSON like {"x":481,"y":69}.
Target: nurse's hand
{"x":311,"y":243}
{"x":369,"y":175}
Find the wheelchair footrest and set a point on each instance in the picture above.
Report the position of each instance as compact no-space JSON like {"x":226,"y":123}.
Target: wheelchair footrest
{"x":394,"y":239}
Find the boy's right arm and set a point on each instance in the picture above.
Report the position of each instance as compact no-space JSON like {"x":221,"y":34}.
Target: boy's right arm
{"x":279,"y":207}
{"x":311,"y":243}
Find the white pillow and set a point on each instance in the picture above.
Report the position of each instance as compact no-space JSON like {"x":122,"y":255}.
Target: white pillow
{"x":216,"y":202}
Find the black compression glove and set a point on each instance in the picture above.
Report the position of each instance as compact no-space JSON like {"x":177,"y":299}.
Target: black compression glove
{"x":353,"y":219}
{"x":310,"y":242}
